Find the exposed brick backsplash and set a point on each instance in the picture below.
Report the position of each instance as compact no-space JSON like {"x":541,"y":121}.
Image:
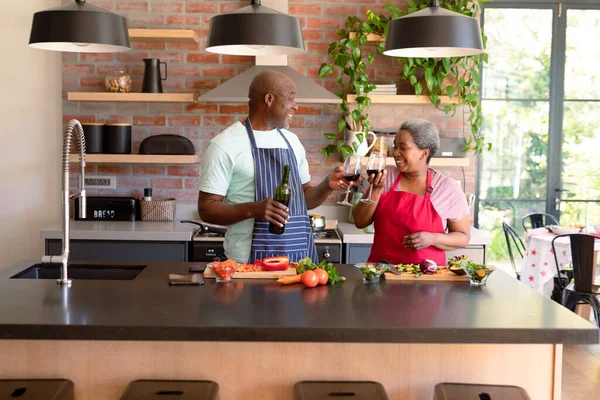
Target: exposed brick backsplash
{"x":191,"y":68}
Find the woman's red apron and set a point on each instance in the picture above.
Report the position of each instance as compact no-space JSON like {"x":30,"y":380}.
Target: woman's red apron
{"x":400,"y":214}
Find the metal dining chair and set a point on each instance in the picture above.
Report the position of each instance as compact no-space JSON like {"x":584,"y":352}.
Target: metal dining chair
{"x":538,"y":220}
{"x":514,"y":245}
{"x":581,"y":289}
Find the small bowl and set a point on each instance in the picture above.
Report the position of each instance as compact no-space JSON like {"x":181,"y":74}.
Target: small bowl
{"x":223,"y":271}
{"x":457,"y":270}
{"x":478,"y":274}
{"x":371,"y":271}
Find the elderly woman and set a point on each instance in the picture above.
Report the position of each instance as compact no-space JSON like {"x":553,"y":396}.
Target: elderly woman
{"x":415,"y":208}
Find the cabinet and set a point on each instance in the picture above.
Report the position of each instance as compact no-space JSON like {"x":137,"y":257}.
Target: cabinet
{"x":359,"y":252}
{"x":117,"y":250}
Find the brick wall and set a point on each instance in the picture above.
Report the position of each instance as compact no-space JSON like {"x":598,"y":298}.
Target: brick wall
{"x":191,"y":68}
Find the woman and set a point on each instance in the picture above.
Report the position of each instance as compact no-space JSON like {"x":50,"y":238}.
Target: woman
{"x":414,"y":209}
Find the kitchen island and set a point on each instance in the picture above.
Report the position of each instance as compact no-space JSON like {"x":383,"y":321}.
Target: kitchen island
{"x":256,"y":338}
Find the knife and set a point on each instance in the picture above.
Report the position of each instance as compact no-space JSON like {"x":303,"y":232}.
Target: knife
{"x":391,"y":267}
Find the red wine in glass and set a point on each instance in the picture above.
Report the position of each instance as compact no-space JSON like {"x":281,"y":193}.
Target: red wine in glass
{"x":373,"y":172}
{"x":351,"y":178}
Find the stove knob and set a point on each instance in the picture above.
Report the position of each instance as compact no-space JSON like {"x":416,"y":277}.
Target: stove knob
{"x":326,"y":255}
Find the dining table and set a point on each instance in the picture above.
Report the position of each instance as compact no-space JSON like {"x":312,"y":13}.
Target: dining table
{"x":538,"y":268}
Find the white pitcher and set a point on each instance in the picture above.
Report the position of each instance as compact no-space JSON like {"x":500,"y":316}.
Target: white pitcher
{"x":363,"y":148}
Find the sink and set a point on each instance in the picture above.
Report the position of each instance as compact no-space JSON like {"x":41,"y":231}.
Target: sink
{"x":82,"y":271}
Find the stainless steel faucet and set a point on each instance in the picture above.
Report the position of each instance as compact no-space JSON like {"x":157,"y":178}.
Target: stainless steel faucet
{"x":66,"y":155}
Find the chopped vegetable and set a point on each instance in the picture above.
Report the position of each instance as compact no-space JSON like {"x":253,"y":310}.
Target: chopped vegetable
{"x":280,"y":263}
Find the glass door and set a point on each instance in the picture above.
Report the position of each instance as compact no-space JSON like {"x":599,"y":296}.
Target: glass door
{"x":516,"y":105}
{"x":577,"y":196}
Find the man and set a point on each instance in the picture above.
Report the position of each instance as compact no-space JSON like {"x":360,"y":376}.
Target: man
{"x":243,"y":165}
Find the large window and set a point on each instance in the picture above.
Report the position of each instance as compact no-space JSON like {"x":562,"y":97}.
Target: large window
{"x":540,"y":104}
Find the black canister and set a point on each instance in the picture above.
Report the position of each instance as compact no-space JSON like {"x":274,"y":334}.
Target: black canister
{"x":117,"y":139}
{"x":94,"y":137}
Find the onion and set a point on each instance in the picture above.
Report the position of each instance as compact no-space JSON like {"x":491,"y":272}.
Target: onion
{"x":428,"y":267}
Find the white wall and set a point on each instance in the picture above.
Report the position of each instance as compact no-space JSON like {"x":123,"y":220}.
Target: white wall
{"x":30,"y":134}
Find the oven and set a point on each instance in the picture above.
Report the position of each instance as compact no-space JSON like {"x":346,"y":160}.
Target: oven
{"x":208,"y":246}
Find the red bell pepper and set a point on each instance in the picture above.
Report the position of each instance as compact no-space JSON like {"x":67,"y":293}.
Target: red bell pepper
{"x":279,"y":263}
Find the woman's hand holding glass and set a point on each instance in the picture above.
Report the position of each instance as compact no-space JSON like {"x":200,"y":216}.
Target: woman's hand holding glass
{"x":375,"y":166}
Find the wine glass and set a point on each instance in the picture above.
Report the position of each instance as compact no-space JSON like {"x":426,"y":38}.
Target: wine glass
{"x":352,"y":166}
{"x":375,"y":165}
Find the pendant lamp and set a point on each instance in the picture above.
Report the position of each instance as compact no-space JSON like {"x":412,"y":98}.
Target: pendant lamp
{"x":255,"y":30}
{"x":433,"y":32}
{"x":79,"y":27}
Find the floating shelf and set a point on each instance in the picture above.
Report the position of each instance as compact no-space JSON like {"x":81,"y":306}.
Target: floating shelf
{"x":435,"y":161}
{"x":133,"y":97}
{"x":371,"y":37}
{"x":163,"y":35}
{"x":136,"y":159}
{"x":401,"y":99}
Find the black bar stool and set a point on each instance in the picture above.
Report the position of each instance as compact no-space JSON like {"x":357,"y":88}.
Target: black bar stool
{"x":168,"y":390}
{"x":36,"y":389}
{"x":339,"y":390}
{"x":461,"y":391}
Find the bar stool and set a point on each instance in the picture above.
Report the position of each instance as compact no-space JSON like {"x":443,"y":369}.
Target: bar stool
{"x":461,"y":391}
{"x":36,"y":389}
{"x":328,"y":390}
{"x":165,"y":390}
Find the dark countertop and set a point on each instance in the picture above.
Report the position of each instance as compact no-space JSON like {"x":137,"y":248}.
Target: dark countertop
{"x":147,"y":308}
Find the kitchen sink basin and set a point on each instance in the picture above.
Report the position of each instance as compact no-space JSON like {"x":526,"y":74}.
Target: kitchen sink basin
{"x":82,"y":271}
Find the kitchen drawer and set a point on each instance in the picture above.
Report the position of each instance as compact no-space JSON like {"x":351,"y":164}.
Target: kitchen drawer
{"x":356,"y":253}
{"x":119,"y":250}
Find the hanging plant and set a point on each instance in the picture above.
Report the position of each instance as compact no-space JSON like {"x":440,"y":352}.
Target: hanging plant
{"x":351,"y":56}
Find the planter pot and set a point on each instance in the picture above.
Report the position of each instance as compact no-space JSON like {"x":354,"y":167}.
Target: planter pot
{"x":363,"y":148}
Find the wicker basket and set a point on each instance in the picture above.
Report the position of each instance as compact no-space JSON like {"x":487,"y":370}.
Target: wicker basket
{"x":157,"y":209}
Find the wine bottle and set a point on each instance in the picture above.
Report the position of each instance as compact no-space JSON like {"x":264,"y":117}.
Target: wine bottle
{"x":283,"y":193}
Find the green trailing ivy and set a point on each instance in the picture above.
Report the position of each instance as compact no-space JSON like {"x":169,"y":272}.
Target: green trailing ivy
{"x":350,"y":57}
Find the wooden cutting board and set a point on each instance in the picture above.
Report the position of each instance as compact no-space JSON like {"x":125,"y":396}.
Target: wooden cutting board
{"x":208,"y":273}
{"x":444,"y":276}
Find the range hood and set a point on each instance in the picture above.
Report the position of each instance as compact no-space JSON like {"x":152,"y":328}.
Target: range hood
{"x":235,"y":90}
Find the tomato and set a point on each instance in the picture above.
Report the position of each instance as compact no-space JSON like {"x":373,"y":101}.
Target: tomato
{"x":309,"y":279}
{"x":280,"y":263}
{"x":322,"y":275}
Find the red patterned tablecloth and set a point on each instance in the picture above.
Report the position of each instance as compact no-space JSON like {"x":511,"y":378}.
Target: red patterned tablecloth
{"x":539,"y":268}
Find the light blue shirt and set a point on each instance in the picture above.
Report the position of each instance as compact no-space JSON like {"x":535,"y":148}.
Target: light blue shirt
{"x":228,"y":170}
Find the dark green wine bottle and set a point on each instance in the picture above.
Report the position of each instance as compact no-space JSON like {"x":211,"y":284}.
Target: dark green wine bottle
{"x":283,"y":193}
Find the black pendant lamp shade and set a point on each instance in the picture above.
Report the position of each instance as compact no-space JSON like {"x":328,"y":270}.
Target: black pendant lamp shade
{"x":79,"y":27}
{"x":433,"y":32}
{"x":255,"y":30}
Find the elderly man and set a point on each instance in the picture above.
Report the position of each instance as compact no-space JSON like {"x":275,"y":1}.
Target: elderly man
{"x":243,"y":165}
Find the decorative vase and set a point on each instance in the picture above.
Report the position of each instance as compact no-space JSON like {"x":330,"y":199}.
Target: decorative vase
{"x":363,"y":148}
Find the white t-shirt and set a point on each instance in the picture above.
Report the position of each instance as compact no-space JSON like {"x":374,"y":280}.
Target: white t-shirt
{"x":228,"y":170}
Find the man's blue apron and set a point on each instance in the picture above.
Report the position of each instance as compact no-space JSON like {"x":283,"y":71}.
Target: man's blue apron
{"x":297,"y":241}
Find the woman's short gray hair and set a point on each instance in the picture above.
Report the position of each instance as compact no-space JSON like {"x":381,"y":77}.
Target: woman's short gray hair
{"x":424,"y":134}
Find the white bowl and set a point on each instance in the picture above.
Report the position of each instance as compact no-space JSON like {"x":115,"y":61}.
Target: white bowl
{"x":564,"y":230}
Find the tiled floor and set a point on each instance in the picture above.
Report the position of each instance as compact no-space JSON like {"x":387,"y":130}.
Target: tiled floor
{"x":581,"y":372}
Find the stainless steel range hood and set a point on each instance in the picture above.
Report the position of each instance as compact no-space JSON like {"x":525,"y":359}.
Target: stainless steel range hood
{"x":235,"y":90}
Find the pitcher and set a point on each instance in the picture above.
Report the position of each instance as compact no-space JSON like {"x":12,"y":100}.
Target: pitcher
{"x":363,"y":148}
{"x":152,"y":76}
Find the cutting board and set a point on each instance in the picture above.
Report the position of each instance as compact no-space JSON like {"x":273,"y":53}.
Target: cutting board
{"x":208,"y":273}
{"x":444,"y":276}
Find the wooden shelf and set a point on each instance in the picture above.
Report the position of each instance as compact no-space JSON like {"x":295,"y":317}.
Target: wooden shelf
{"x":163,"y":35}
{"x":136,"y":159}
{"x":371,"y":37}
{"x":401,"y":99}
{"x":133,"y":97}
{"x":435,"y":162}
